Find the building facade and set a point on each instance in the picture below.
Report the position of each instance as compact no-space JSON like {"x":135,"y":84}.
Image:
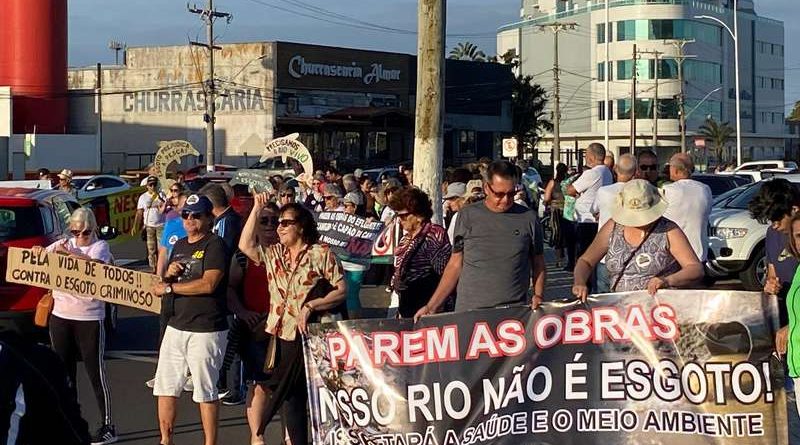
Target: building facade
{"x":350,"y":106}
{"x":654,"y":29}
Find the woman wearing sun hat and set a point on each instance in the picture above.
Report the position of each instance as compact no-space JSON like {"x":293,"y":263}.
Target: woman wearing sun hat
{"x":643,"y":249}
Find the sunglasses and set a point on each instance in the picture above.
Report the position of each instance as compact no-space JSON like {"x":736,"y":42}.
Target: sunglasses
{"x":648,"y":168}
{"x":269,"y":221}
{"x":287,"y":195}
{"x":509,"y":195}
{"x":403,"y":215}
{"x":192,"y":215}
{"x":287,"y":222}
{"x":175,"y":190}
{"x":85,"y":232}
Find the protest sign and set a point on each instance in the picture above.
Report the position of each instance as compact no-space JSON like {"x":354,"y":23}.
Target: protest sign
{"x":510,"y":148}
{"x":255,"y":180}
{"x":83,"y":278}
{"x":169,"y":152}
{"x":685,"y":367}
{"x":291,"y":147}
{"x":350,"y":236}
{"x":117,"y":210}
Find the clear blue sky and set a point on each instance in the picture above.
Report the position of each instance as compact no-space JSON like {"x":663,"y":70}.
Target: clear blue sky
{"x":161,"y":22}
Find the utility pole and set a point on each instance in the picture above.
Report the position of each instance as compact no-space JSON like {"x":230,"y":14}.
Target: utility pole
{"x":429,"y":125}
{"x":657,"y":66}
{"x":556,"y":27}
{"x":208,"y":15}
{"x":98,"y":85}
{"x":634,"y":74}
{"x":680,"y":57}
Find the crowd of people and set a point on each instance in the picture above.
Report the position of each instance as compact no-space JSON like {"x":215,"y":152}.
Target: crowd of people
{"x":239,"y":293}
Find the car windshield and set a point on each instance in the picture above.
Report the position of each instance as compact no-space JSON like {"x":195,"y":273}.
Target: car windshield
{"x":79,"y":183}
{"x":743,"y":199}
{"x":727,"y":196}
{"x":270,"y":164}
{"x":19,"y":222}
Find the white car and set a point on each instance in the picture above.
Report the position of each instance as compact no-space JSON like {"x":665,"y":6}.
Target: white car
{"x":90,"y":187}
{"x":763,"y":165}
{"x":736,"y":241}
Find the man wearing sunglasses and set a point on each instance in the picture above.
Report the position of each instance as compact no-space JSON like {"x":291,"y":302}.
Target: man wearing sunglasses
{"x":648,"y":167}
{"x":497,"y":250}
{"x":148,"y":212}
{"x":197,"y":327}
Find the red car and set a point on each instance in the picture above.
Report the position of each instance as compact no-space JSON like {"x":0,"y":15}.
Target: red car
{"x":28,"y":217}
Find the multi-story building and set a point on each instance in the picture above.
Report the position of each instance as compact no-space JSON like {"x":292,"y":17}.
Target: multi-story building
{"x":596,"y":103}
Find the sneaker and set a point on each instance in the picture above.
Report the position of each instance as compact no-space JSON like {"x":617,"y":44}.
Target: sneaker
{"x":106,"y":434}
{"x":233,"y":398}
{"x":150,"y":383}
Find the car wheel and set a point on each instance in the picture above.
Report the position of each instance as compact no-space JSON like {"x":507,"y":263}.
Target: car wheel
{"x":755,"y":275}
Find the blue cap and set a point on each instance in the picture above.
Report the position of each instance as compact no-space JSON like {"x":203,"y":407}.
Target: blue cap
{"x":197,"y":204}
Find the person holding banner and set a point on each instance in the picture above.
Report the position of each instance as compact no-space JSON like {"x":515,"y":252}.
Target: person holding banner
{"x":423,"y":252}
{"x":76,"y":324}
{"x":643,"y":250}
{"x":298,"y":270}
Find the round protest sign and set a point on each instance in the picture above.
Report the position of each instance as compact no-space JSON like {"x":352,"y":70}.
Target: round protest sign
{"x":169,"y":152}
{"x":290,"y":147}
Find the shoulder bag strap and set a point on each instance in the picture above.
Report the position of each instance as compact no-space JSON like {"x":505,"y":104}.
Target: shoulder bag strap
{"x":630,"y":257}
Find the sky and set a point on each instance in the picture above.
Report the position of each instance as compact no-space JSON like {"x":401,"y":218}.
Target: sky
{"x":92,"y":23}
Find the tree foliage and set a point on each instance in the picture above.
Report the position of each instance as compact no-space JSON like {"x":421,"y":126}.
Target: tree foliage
{"x":467,"y":51}
{"x":529,"y":113}
{"x":795,"y":115}
{"x":719,"y":134}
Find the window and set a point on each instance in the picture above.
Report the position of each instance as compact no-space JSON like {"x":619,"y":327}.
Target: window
{"x":601,"y":33}
{"x":777,"y":84}
{"x":667,"y":109}
{"x":108,"y":183}
{"x":668,"y":29}
{"x":699,"y":71}
{"x":378,"y":145}
{"x":601,"y":110}
{"x":601,"y":72}
{"x":19,"y":222}
{"x":466,"y":142}
{"x":625,"y":69}
{"x":47,"y":218}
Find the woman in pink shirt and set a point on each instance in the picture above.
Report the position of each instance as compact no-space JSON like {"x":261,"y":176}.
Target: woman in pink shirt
{"x":76,"y":325}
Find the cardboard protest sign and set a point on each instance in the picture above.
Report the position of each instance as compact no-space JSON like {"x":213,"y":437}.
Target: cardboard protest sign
{"x":169,"y":152}
{"x":387,"y":240}
{"x":688,"y":367}
{"x":350,"y":236}
{"x":256,"y":180}
{"x":117,"y":210}
{"x":83,"y":278}
{"x":290,"y":147}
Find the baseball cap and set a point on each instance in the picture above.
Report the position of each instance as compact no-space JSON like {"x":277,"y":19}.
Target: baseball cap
{"x":197,"y":204}
{"x":151,"y":180}
{"x":455,"y":190}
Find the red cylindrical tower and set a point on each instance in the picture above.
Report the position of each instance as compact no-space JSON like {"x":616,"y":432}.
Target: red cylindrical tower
{"x":33,"y":62}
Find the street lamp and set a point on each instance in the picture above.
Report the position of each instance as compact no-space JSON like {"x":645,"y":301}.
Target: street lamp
{"x":701,"y":101}
{"x":735,"y":36}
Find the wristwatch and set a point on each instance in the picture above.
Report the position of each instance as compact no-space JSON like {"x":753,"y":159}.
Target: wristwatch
{"x":168,"y":289}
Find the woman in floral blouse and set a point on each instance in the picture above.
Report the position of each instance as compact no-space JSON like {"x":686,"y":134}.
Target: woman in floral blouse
{"x":296,"y":267}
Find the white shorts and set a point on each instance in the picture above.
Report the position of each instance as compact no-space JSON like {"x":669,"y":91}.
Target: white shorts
{"x":198,"y":353}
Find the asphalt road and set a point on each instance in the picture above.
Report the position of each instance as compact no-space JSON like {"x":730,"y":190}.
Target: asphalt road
{"x":131,"y":361}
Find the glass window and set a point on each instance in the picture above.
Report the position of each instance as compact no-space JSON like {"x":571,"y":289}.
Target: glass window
{"x":644,"y":108}
{"x":47,"y":219}
{"x":601,"y":71}
{"x":699,"y":71}
{"x":601,"y":110}
{"x":19,"y":222}
{"x":601,"y":33}
{"x":466,"y":142}
{"x":625,"y":69}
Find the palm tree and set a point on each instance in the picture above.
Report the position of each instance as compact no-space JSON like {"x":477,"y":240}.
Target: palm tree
{"x":510,"y":57}
{"x":529,"y":116}
{"x":467,"y":51}
{"x":719,"y":134}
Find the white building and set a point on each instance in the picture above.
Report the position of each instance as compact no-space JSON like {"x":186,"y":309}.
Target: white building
{"x":654,"y":26}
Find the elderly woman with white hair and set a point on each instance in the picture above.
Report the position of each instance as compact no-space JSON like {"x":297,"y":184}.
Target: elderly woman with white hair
{"x":76,"y":323}
{"x":643,"y":250}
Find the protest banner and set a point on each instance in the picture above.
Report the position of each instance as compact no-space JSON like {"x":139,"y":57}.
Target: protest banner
{"x":290,"y":147}
{"x":169,"y":152}
{"x":683,"y":368}
{"x":83,"y":278}
{"x":117,"y":210}
{"x":255,"y":180}
{"x":350,"y":236}
{"x":384,"y":246}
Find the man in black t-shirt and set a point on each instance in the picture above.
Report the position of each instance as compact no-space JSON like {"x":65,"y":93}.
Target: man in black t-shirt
{"x":196,"y":336}
{"x":227,"y":223}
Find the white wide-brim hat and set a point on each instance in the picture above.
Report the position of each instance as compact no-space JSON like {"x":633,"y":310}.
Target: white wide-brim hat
{"x":638,"y":204}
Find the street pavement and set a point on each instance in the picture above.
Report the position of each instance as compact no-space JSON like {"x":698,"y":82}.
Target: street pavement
{"x":131,"y":361}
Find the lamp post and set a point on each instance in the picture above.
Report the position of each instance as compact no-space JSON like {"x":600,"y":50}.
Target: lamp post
{"x":735,"y":36}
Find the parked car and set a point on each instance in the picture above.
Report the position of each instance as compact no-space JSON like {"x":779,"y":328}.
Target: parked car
{"x":762,"y":165}
{"x":200,"y":170}
{"x":736,"y":241}
{"x":758,"y":175}
{"x":379,"y":174}
{"x":276,"y":166}
{"x":90,"y":187}
{"x":28,"y":217}
{"x":720,"y":184}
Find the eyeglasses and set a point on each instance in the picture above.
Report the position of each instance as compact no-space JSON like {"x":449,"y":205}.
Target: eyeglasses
{"x":287,"y":222}
{"x":85,"y":232}
{"x":287,"y":195}
{"x":501,"y":195}
{"x":175,"y":190}
{"x":330,"y":197}
{"x":403,"y":215}
{"x":192,"y":215}
{"x":648,"y":167}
